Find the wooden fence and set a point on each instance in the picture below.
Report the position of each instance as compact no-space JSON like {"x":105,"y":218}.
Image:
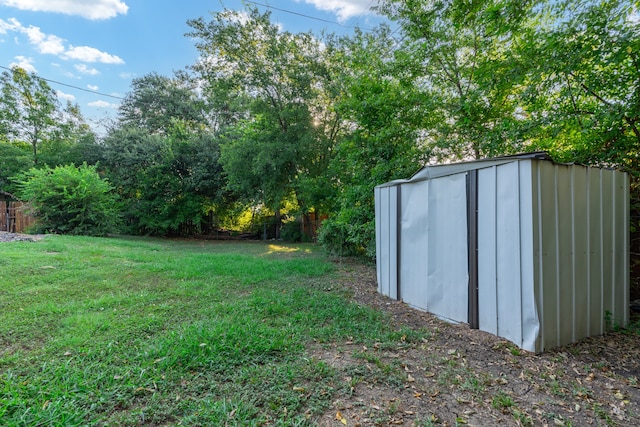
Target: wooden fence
{"x":13,"y":218}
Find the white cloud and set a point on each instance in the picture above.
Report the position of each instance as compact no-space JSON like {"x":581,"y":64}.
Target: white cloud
{"x":24,"y":63}
{"x":86,"y":70}
{"x":91,"y":54}
{"x":65,"y":96}
{"x":54,"y":45}
{"x":102,"y":104}
{"x":6,"y":26}
{"x":345,"y":9}
{"x":95,"y":9}
{"x":127,"y":75}
{"x":45,"y":43}
{"x":92,"y":87}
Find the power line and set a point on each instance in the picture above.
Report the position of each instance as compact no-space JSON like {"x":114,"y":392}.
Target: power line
{"x":71,"y":86}
{"x":304,"y":16}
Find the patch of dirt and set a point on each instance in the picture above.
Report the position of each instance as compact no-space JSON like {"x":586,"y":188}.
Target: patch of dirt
{"x":19,"y":237}
{"x":457,"y":376}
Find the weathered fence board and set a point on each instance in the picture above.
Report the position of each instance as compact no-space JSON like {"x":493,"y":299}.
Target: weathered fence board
{"x":13,"y":217}
{"x":4,"y":216}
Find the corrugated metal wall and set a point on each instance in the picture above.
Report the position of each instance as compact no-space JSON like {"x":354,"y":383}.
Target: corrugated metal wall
{"x":421,"y":231}
{"x":581,"y":255}
{"x":553,"y":249}
{"x":433,"y":246}
{"x":386,"y":201}
{"x":506,"y":299}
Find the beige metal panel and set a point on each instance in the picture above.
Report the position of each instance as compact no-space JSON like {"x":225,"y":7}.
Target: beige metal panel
{"x":566,"y":258}
{"x":548,"y":236}
{"x":619,"y":256}
{"x":487,"y":250}
{"x":447,"y":256}
{"x":415,"y":227}
{"x":386,"y":240}
{"x":579,"y":248}
{"x":582,"y":265}
{"x":607,"y":252}
{"x":596,"y":267}
{"x":624,"y":230}
{"x":507,"y":304}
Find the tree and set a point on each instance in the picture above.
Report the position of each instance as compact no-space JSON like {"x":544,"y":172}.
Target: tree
{"x":164,"y":181}
{"x":273,"y":80}
{"x":157,"y":102}
{"x":383,"y":141}
{"x":14,"y":159}
{"x":459,"y":54}
{"x":71,"y":142}
{"x":28,"y":108}
{"x":583,"y":83}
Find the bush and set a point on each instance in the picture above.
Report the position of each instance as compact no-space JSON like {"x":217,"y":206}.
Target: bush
{"x":70,"y":200}
{"x":344,"y":239}
{"x":290,"y":231}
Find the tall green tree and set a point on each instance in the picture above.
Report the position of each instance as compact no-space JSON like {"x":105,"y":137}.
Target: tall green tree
{"x":28,"y":108}
{"x":459,"y":53}
{"x":156,"y":103}
{"x":162,"y":155}
{"x":274,"y":82}
{"x":71,"y":142}
{"x":583,"y":82}
{"x":382,"y":143}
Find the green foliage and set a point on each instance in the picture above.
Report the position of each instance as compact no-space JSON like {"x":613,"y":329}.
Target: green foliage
{"x":163,"y":181}
{"x":28,"y":108}
{"x":459,"y":56}
{"x":338,"y":238}
{"x":290,"y":231}
{"x":14,"y":159}
{"x":581,"y":91}
{"x":381,"y":147}
{"x":70,"y":200}
{"x":277,"y":87}
{"x":157,"y":103}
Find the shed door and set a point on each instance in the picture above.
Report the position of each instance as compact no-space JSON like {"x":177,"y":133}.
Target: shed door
{"x":433,"y":246}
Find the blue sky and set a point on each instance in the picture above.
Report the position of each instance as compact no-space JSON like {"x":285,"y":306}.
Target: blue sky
{"x":101,"y":45}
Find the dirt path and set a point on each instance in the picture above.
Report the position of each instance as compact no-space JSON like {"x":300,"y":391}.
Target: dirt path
{"x":459,"y":376}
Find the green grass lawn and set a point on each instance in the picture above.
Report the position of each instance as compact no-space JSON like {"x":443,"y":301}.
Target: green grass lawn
{"x":125,"y":331}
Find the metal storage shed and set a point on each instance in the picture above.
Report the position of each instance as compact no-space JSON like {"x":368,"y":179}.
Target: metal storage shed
{"x":521,"y":247}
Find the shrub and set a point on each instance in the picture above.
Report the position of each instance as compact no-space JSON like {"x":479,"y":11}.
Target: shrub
{"x":290,"y":231}
{"x":344,"y":239}
{"x":70,"y":200}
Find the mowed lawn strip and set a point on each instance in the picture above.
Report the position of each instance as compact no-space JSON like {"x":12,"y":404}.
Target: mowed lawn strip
{"x":122,"y":331}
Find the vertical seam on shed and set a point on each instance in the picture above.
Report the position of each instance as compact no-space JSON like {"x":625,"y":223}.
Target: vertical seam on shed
{"x":588,"y":257}
{"x":573,"y":256}
{"x":399,"y":243}
{"x":557,"y":252}
{"x":601,"y":252}
{"x":614,"y":232}
{"x":541,"y":316}
{"x":472,"y":248}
